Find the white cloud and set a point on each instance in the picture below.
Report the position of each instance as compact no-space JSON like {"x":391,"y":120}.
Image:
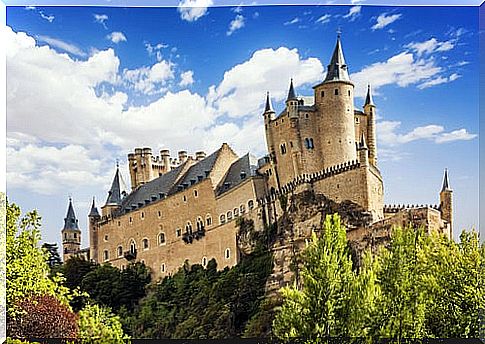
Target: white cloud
{"x":192,"y":10}
{"x":383,"y":20}
{"x":324,"y":19}
{"x":430,"y":46}
{"x":439,"y":80}
{"x":236,"y":24}
{"x":237,"y":9}
{"x":354,"y":12}
{"x":186,"y":78}
{"x":242,"y":90}
{"x":60,"y":44}
{"x":147,"y":79}
{"x":101,"y":19}
{"x":293,"y":21}
{"x":49,"y":18}
{"x":388,"y":136}
{"x":116,"y":37}
{"x":30,"y":8}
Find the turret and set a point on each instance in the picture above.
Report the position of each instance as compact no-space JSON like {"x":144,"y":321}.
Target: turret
{"x":363,"y":151}
{"x":370,"y":111}
{"x":292,"y":102}
{"x":446,"y":204}
{"x":334,"y":101}
{"x":71,"y":234}
{"x":93,"y":217}
{"x":269,"y":115}
{"x":114,"y":195}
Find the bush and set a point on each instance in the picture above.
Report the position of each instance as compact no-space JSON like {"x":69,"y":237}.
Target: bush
{"x":99,"y":325}
{"x":43,"y":317}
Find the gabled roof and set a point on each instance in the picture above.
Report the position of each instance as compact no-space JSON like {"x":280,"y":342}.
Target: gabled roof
{"x":240,"y":171}
{"x":70,"y":221}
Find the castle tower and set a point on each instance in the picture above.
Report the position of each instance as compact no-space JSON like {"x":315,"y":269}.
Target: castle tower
{"x":93,"y":217}
{"x":363,"y":152}
{"x":370,"y":111}
{"x":114,"y":195}
{"x":71,"y":234}
{"x":292,"y":102}
{"x":334,"y":102}
{"x":269,"y":115}
{"x":446,"y":204}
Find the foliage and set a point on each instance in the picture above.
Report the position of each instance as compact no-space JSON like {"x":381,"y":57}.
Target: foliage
{"x":54,"y":259}
{"x":98,"y":325}
{"x":422,"y":285}
{"x":114,"y":288}
{"x":331,"y":292}
{"x":198,"y":303}
{"x":27,"y":270}
{"x":43,"y":317}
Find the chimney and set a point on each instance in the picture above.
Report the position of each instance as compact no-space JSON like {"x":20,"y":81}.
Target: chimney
{"x":199,"y":155}
{"x":182,"y":156}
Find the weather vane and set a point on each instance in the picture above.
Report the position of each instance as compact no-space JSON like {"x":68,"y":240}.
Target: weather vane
{"x":339,"y":31}
{"x":117,"y":163}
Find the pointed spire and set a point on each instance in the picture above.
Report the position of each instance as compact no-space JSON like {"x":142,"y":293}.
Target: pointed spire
{"x":291,"y":91}
{"x":368,"y":98}
{"x":94,"y":210}
{"x":363,"y":144}
{"x":269,"y":106}
{"x":446,"y":182}
{"x":337,"y":69}
{"x":114,"y":194}
{"x":70,"y":221}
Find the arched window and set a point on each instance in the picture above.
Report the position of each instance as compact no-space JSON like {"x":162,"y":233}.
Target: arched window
{"x":145,"y":244}
{"x":133,"y":247}
{"x":242,"y":209}
{"x":204,"y":262}
{"x":196,"y":193}
{"x":200,"y":224}
{"x":105,"y":255}
{"x":336,"y":91}
{"x":227,"y":254}
{"x":178,"y":232}
{"x":229,"y":215}
{"x":208,"y":220}
{"x":250,"y":204}
{"x":120,"y":251}
{"x":236,"y":212}
{"x":163,"y":268}
{"x":322,"y":94}
{"x":161,"y":238}
{"x":188,"y":227}
{"x":283,"y":148}
{"x":222,"y":219}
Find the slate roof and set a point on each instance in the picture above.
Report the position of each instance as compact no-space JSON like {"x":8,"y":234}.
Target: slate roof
{"x":337,"y":69}
{"x":168,"y":183}
{"x":240,"y":170}
{"x":114,"y":194}
{"x":446,"y":182}
{"x":94,"y":211}
{"x":70,"y":221}
{"x":291,"y":91}
{"x":368,"y":98}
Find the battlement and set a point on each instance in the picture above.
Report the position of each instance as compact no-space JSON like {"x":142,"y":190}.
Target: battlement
{"x":390,"y":209}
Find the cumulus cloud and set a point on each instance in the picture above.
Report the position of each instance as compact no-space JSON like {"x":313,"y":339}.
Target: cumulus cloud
{"x":116,"y":37}
{"x":242,"y":90}
{"x":192,"y":10}
{"x":148,"y":80}
{"x":155,"y":50}
{"x":101,"y":19}
{"x":384,"y":19}
{"x":60,"y":44}
{"x":388,"y":135}
{"x":236,"y":24}
{"x":354,"y":12}
{"x":324,"y":19}
{"x":186,"y":78}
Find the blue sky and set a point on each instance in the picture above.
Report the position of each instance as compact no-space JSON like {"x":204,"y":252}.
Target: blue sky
{"x":86,"y":85}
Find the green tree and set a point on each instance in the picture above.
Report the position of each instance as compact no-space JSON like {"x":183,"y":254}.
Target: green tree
{"x":54,"y":259}
{"x":332,"y":291}
{"x":98,"y":325}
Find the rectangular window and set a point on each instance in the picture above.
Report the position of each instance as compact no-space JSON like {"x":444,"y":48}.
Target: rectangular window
{"x":336,"y":91}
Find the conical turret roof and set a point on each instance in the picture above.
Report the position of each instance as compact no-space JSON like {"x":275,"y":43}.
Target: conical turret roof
{"x":368,"y":98}
{"x":114,"y":194}
{"x":94,"y":211}
{"x":70,"y":221}
{"x":268,"y":107}
{"x":337,"y":69}
{"x":362,"y":144}
{"x":291,"y":91}
{"x":446,"y":182}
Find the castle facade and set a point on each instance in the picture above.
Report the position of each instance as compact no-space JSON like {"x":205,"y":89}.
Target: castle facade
{"x":185,"y":208}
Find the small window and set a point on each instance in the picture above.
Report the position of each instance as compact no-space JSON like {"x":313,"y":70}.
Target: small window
{"x":145,"y":244}
{"x":185,"y":198}
{"x":242,"y":209}
{"x":132,"y":247}
{"x":291,"y":144}
{"x":200,"y":224}
{"x":131,"y":219}
{"x":283,"y":148}
{"x":336,"y":91}
{"x":142,"y":215}
{"x":142,"y":261}
{"x":120,"y":251}
{"x":178,"y":232}
{"x":251,"y":204}
{"x":227,"y":254}
{"x":188,"y":227}
{"x":229,"y":215}
{"x":306,"y":115}
{"x":119,"y":223}
{"x":208,"y":220}
{"x":75,"y":235}
{"x":357,"y":120}
{"x":322,"y":94}
{"x":222,"y":219}
{"x":105,"y":255}
{"x":106,"y":238}
{"x":163,"y":268}
{"x":161,"y":238}
{"x":204,"y":262}
{"x":236,"y":212}
{"x":196,"y":193}
{"x":159,"y":214}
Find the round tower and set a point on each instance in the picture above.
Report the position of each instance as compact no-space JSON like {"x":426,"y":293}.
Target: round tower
{"x":93,"y":217}
{"x":370,"y":111}
{"x":71,"y":234}
{"x":269,"y":115}
{"x":334,"y":100}
{"x":446,"y":204}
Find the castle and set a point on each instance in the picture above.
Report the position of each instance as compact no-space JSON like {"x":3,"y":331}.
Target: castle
{"x":185,"y":208}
